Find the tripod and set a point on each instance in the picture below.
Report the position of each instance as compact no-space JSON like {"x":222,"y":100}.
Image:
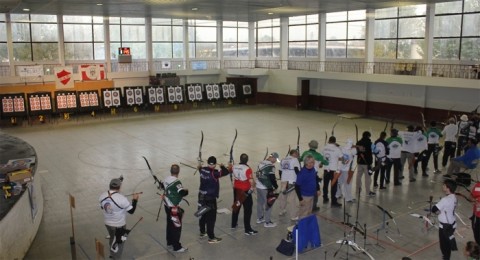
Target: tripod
{"x":344,"y":240}
{"x":385,"y":226}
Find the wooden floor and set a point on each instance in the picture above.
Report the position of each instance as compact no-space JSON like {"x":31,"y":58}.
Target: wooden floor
{"x":81,"y":156}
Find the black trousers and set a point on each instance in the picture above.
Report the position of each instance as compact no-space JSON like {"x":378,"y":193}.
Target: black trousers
{"x":445,"y":245}
{"x":327,"y":177}
{"x":397,"y":165}
{"x":448,"y":152}
{"x":476,"y":228}
{"x":381,"y":170}
{"x":173,"y":232}
{"x":431,"y":151}
{"x":462,"y":142}
{"x":208,"y":219}
{"x":247,"y":212}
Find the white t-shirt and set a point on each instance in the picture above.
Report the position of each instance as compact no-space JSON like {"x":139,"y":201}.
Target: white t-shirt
{"x":114,"y":208}
{"x":287,"y":166}
{"x":262,"y":164}
{"x":450,"y":133}
{"x":447,"y":207}
{"x":348,"y":157}
{"x":410,"y":143}
{"x":332,"y":154}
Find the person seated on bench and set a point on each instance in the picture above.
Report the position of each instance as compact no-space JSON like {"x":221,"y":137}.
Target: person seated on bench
{"x":467,"y":161}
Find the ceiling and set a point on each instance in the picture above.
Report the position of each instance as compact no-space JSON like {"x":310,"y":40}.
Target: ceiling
{"x":228,"y":10}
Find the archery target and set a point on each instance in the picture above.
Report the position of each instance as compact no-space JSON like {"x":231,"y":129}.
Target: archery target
{"x":7,"y":105}
{"x":216,"y":91}
{"x":159,"y":94}
{"x":247,"y":90}
{"x":209,"y":90}
{"x":225,"y":91}
{"x":198,"y":92}
{"x":19,"y":104}
{"x":93,"y":99}
{"x":46,"y":102}
{"x":130,"y":96}
{"x":116,"y":97}
{"x":84,"y":99}
{"x":152,"y":98}
{"x":171,"y":94}
{"x":61,"y":101}
{"x":231,"y":88}
{"x":138,"y":96}
{"x":178,"y":94}
{"x":71,"y":100}
{"x":191,"y":93}
{"x":107,"y":98}
{"x":34,"y":103}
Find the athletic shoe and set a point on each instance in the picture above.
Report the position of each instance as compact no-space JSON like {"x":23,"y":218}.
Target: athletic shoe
{"x":260,"y":220}
{"x":412,"y":179}
{"x":371,"y":194}
{"x":269,"y":224}
{"x":170,"y":247}
{"x":181,"y":250}
{"x":336,"y":205}
{"x":251,"y":232}
{"x":437,"y":171}
{"x":325,"y":200}
{"x":202,"y":235}
{"x":214,"y":240}
{"x":383,"y":188}
{"x":424,"y":175}
{"x":233,"y":227}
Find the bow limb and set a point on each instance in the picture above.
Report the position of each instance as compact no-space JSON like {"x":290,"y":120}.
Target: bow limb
{"x":385,"y":211}
{"x":298,"y":140}
{"x":199,"y":154}
{"x":266,"y":155}
{"x":160,"y":186}
{"x":465,"y":197}
{"x":231,"y":153}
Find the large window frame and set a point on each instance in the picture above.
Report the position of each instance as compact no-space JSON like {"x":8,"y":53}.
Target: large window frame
{"x":128,"y":32}
{"x":202,"y":39}
{"x":345,"y":34}
{"x":267,"y":38}
{"x":84,"y":37}
{"x":303,"y":33}
{"x":167,"y":38}
{"x":235,"y":39}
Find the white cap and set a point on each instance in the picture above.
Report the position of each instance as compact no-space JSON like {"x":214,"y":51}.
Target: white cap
{"x":464,"y":117}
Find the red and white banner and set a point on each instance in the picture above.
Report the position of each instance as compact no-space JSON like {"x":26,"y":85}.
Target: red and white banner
{"x":63,"y":77}
{"x":92,"y":72}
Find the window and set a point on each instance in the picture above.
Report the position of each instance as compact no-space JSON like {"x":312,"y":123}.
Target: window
{"x":202,"y":37}
{"x":235,"y":39}
{"x":83,"y":38}
{"x":34,"y":37}
{"x":3,"y":39}
{"x":345,"y":34}
{"x":128,"y":32}
{"x":455,"y":35}
{"x":303,"y":36}
{"x":267,"y":38}
{"x":167,"y":38}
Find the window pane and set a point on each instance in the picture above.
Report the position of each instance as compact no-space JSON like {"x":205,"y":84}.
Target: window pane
{"x":97,"y":19}
{"x":114,"y":20}
{"x":19,"y":17}
{"x":3,"y":32}
{"x":3,"y":52}
{"x":336,"y":31}
{"x":2,"y":17}
{"x":177,"y":33}
{"x":313,"y":18}
{"x":411,"y":27}
{"x":229,"y":24}
{"x":206,"y":23}
{"x":243,"y":24}
{"x":177,"y":22}
{"x":127,"y":20}
{"x":162,"y":33}
{"x":161,"y":21}
{"x":114,"y":50}
{"x":243,"y":34}
{"x":411,"y":49}
{"x":312,"y":32}
{"x":336,"y":49}
{"x":336,"y":16}
{"x":385,"y":29}
{"x":471,"y":49}
{"x":356,"y":30}
{"x":115,"y":33}
{"x":296,"y":49}
{"x":446,"y":49}
{"x":385,"y":49}
{"x":22,"y":52}
{"x":98,"y":33}
{"x":471,"y":24}
{"x":162,"y":50}
{"x":357,"y":15}
{"x":206,"y":34}
{"x":312,"y":49}
{"x":133,"y":33}
{"x":356,"y":49}
{"x":43,"y":18}
{"x":243,"y":50}
{"x":21,"y":32}
{"x":191,"y":50}
{"x":472,"y":6}
{"x":265,"y":35}
{"x":296,"y":33}
{"x":99,"y":51}
{"x":264,"y":23}
{"x":297,"y":20}
{"x":229,"y":34}
{"x":206,"y":50}
{"x":276,"y":22}
{"x":178,"y":50}
{"x":412,"y":10}
{"x":44,"y":33}
{"x":77,"y":32}
{"x":230,"y":50}
{"x":137,"y":49}
{"x":191,"y":34}
{"x":78,"y":51}
{"x":448,"y":7}
{"x":386,"y":12}
{"x":447,"y":26}
{"x":264,"y":50}
{"x":45,"y":51}
{"x":276,"y":34}
{"x":77,"y":19}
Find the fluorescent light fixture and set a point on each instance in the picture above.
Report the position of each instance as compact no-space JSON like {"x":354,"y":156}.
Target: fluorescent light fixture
{"x":26,"y":9}
{"x":194,"y":9}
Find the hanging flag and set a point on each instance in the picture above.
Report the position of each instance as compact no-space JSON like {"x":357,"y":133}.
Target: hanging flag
{"x":63,"y":77}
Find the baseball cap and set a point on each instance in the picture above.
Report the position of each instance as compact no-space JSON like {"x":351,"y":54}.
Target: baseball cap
{"x":115,"y":183}
{"x":313,"y":144}
{"x":212,"y":160}
{"x":464,"y":117}
{"x":275,"y":155}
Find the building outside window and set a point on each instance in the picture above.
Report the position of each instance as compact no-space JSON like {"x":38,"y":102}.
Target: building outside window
{"x":83,"y":38}
{"x":128,"y":32}
{"x":345,"y":34}
{"x":202,"y":38}
{"x":267,"y":38}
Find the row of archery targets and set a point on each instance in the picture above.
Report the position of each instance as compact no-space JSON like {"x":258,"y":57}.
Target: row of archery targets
{"x":66,"y":102}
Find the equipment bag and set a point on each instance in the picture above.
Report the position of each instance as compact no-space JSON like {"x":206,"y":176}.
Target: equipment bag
{"x":286,"y":247}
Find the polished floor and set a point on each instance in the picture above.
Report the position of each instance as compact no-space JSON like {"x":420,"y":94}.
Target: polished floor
{"x":79,"y":157}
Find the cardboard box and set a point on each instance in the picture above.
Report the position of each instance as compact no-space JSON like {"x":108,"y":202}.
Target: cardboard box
{"x":22,"y":176}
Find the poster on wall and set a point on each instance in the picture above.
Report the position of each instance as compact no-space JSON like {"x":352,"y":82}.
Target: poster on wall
{"x":92,"y":72}
{"x":63,"y":77}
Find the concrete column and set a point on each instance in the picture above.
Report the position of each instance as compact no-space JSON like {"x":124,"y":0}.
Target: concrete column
{"x":322,"y":37}
{"x":148,"y":42}
{"x":284,"y":43}
{"x":429,"y":29}
{"x":370,"y":41}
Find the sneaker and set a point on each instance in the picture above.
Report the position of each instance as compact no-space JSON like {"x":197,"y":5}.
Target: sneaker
{"x":315,"y":209}
{"x":214,"y":240}
{"x":282,"y":213}
{"x":401,"y":177}
{"x":336,"y":205}
{"x":251,"y":232}
{"x":260,"y":220}
{"x":424,"y":175}
{"x":326,"y":200}
{"x":269,"y":224}
{"x":412,"y":179}
{"x":437,"y":171}
{"x":170,"y":247}
{"x":202,"y":235}
{"x":371,"y":194}
{"x":181,"y":250}
{"x":383,"y":188}
{"x":351,"y":201}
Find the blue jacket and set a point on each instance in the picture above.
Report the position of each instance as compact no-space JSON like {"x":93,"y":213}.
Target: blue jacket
{"x":307,"y":182}
{"x":469,"y":157}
